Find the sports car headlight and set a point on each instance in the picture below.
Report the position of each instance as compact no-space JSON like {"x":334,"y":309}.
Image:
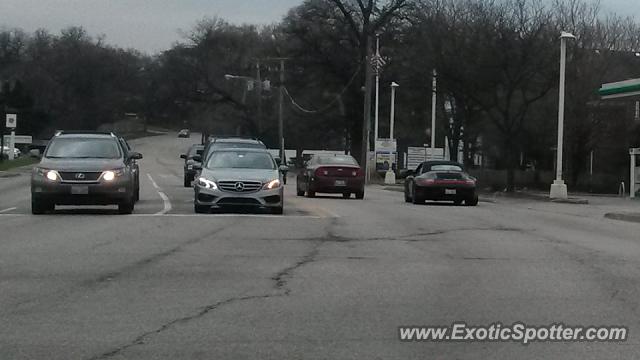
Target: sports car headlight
{"x":110,"y":175}
{"x":207,"y":184}
{"x":273,"y":184}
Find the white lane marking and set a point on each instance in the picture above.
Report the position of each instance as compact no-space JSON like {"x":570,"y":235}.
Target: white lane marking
{"x":7,"y":210}
{"x":166,"y":204}
{"x":152,"y":181}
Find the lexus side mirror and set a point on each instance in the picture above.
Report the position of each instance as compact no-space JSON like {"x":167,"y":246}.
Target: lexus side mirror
{"x":183,"y":156}
{"x":283,"y":168}
{"x":135,"y":155}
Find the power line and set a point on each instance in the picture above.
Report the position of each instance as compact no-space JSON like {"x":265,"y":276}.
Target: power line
{"x":329,"y":105}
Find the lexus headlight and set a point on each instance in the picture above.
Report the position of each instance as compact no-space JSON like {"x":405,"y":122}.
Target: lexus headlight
{"x":110,"y":175}
{"x":273,"y":184}
{"x":207,"y":184}
{"x":53,"y":175}
{"x":50,"y":175}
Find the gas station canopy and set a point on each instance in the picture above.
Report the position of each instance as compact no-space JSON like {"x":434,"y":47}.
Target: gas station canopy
{"x":620,"y":89}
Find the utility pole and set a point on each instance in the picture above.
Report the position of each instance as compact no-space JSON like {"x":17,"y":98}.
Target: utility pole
{"x":281,"y":114}
{"x":367,"y":108}
{"x":375,"y":123}
{"x":259,"y":94}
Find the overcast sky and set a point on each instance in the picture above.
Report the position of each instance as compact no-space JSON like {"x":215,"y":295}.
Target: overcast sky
{"x":153,"y":25}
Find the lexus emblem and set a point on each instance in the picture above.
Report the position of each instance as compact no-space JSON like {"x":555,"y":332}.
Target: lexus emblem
{"x":239,"y":186}
{"x":80,"y":176}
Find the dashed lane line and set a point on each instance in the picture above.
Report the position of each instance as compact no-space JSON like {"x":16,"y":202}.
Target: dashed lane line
{"x":166,"y":203}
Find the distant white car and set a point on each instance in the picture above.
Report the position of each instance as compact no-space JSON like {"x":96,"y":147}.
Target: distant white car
{"x":5,"y":152}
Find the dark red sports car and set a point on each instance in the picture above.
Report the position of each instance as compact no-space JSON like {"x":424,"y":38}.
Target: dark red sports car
{"x":440,"y":181}
{"x":335,"y":174}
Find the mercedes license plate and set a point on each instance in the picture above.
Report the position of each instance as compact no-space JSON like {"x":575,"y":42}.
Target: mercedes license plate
{"x":79,"y":190}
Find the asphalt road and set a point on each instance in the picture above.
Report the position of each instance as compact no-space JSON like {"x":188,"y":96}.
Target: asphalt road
{"x":329,"y":279}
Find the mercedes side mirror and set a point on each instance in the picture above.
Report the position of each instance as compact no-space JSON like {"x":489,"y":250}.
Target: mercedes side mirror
{"x":183,"y":156}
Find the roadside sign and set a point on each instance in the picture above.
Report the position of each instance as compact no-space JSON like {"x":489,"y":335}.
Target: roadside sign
{"x":19,"y":139}
{"x":418,"y":154}
{"x":12,"y":120}
{"x":386,"y":153}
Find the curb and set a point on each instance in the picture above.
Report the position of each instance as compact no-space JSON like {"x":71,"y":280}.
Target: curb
{"x":539,"y":197}
{"x":628,"y":217}
{"x":5,"y":175}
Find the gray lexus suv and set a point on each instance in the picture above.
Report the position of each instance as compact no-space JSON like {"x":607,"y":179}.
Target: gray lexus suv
{"x":239,"y":177}
{"x":84,"y":169}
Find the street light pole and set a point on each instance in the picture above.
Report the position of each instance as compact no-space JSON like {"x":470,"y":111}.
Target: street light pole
{"x":559,"y":188}
{"x":434,"y":99}
{"x":390,"y":176}
{"x":394,"y":85}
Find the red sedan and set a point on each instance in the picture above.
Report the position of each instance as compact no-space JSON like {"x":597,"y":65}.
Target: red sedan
{"x":334,"y":174}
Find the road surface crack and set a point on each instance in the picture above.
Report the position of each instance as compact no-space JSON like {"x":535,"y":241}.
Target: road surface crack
{"x":140,"y":340}
{"x":281,"y":278}
{"x":285,"y":274}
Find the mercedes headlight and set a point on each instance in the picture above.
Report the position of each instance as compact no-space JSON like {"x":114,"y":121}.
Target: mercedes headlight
{"x":207,"y":184}
{"x":273,"y":184}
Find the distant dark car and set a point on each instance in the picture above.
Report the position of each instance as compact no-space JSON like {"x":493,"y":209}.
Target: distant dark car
{"x":184,"y":133}
{"x":191,"y":164}
{"x":84,"y":169}
{"x":334,"y":174}
{"x":218,"y":143}
{"x":440,"y":181}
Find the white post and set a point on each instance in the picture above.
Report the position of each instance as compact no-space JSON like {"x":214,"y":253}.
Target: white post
{"x":559,"y":188}
{"x":393,"y":109}
{"x":632,"y":183}
{"x":434,"y":99}
{"x":375,"y":124}
{"x":12,"y":143}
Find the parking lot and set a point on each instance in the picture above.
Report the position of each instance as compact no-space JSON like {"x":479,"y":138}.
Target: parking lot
{"x":329,"y":278}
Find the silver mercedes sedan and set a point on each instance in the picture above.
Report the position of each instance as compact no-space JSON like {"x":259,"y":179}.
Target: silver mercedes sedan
{"x":239,"y":178}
